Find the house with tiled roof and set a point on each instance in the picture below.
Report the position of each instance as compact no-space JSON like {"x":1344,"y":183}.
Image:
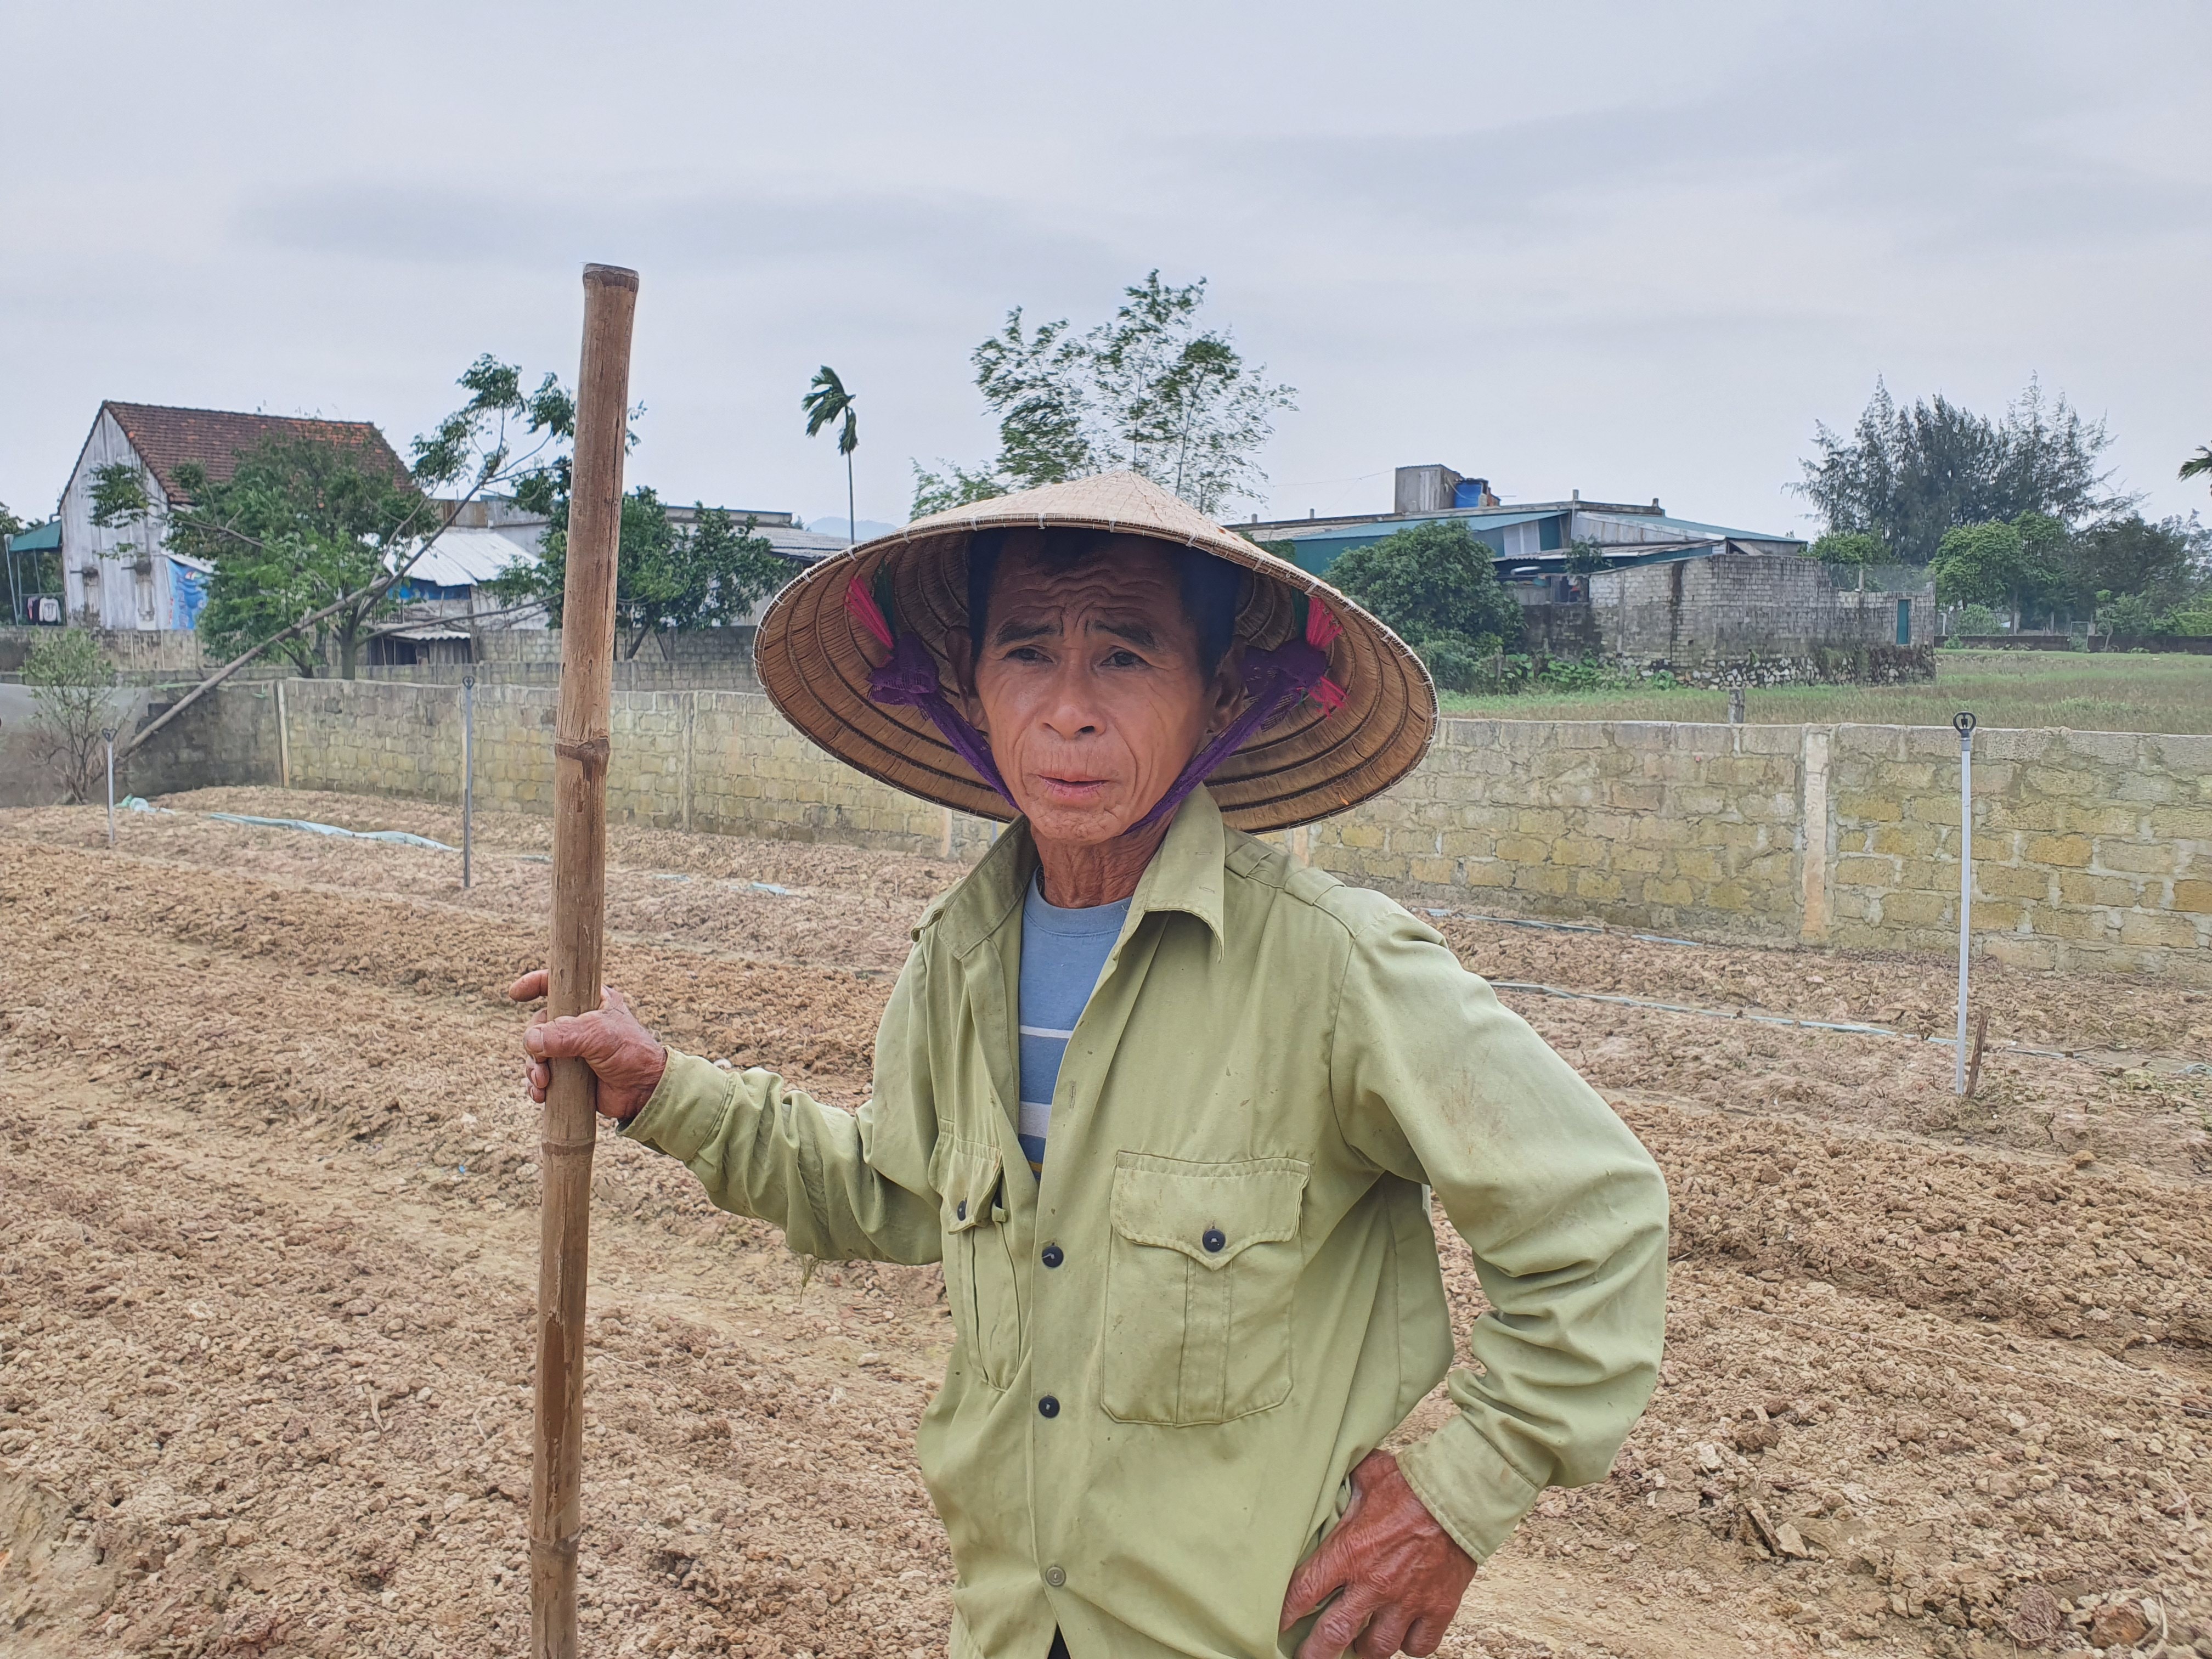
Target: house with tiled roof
{"x":122,"y":576}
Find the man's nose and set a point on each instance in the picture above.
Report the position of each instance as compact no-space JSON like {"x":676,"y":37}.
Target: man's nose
{"x":1072,"y":710}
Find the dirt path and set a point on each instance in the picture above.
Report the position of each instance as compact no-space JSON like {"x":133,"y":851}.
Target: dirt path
{"x":1937,"y":1379}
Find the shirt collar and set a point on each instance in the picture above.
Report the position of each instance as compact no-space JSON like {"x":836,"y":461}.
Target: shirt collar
{"x":1185,"y":875}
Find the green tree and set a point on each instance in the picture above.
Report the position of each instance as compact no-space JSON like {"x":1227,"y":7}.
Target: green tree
{"x":307,"y":539}
{"x":501,"y":438}
{"x":299,"y":526}
{"x":73,"y":700}
{"x":1850,"y":550}
{"x":1586,"y":556}
{"x":2198,"y":465}
{"x":667,"y":578}
{"x":827,"y":402}
{"x":955,"y":486}
{"x":2168,"y":563}
{"x":1991,"y":564}
{"x":1911,"y":475}
{"x":1153,"y":389}
{"x":2131,"y":614}
{"x":1433,"y":583}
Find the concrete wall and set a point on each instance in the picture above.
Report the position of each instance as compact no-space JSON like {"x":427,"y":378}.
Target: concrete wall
{"x":2092,"y":850}
{"x":228,"y":738}
{"x":1735,"y":605}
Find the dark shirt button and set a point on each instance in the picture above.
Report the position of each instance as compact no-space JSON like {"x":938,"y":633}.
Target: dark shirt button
{"x":1214,"y":1241}
{"x":1052,"y":1258}
{"x":961,"y":1209}
{"x":1048,"y":1406}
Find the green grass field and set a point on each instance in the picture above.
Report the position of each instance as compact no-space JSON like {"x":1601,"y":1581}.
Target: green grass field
{"x":2015,"y":689}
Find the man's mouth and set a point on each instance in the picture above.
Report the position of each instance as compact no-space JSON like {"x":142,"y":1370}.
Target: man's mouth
{"x":1071,"y":791}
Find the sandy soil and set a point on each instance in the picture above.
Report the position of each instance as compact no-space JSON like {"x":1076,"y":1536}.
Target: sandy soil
{"x":1939,"y":1377}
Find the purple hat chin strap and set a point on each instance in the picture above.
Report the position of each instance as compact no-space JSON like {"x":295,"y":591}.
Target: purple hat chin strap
{"x":1274,"y":681}
{"x":909,"y":680}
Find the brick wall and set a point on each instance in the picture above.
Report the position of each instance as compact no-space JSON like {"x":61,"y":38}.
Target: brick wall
{"x":2091,"y":849}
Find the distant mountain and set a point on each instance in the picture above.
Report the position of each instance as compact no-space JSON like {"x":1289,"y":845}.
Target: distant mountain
{"x":833,"y":524}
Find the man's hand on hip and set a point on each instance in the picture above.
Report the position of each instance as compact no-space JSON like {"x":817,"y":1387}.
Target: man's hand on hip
{"x":1400,"y":1573}
{"x":625,"y":1057}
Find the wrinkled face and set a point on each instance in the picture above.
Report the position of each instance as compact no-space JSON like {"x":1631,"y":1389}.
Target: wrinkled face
{"x":1088,"y":686}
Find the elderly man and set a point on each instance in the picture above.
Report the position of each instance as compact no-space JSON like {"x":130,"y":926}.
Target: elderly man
{"x":1169,"y":1105}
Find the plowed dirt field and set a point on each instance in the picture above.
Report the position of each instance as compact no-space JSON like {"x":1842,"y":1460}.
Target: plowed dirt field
{"x":1939,"y":1378}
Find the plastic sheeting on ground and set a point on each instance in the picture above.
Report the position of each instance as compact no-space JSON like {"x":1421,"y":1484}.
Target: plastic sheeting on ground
{"x":400,"y":837}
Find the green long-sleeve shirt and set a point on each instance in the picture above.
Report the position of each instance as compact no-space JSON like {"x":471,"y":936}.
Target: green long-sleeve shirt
{"x":1223,"y":1290}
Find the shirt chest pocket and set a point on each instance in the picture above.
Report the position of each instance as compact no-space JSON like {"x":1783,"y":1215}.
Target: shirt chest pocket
{"x":979,"y":1282}
{"x":1204,"y":1264}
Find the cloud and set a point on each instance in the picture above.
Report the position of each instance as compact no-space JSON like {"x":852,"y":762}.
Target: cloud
{"x":703,"y":230}
{"x":1638,"y":249}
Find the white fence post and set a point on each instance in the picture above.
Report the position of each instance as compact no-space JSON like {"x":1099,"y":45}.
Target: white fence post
{"x":1964,"y":724}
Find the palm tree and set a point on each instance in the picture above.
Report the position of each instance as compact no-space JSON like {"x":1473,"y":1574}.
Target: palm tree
{"x":824,"y":404}
{"x":2201,"y":462}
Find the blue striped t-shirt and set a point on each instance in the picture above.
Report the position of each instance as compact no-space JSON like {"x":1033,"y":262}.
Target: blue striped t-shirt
{"x":1063,"y":952}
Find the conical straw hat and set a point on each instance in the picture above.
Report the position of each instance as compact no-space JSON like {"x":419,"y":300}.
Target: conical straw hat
{"x":815,"y":659}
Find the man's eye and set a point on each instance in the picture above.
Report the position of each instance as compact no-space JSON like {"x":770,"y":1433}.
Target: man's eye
{"x":1124,"y":659}
{"x":1026,"y":654}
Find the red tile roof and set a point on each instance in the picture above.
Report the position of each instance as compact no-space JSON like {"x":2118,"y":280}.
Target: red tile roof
{"x":165,"y":437}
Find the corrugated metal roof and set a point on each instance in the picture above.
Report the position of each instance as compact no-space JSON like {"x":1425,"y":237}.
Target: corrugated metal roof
{"x":1376,"y":530}
{"x":1686,"y":528}
{"x":808,"y":544}
{"x":43,"y":539}
{"x":464,"y":558}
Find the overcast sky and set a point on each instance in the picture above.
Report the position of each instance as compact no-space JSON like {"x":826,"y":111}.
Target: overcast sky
{"x":1633,"y":250}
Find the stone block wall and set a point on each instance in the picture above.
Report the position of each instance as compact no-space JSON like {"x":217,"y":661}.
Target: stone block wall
{"x":2092,"y":850}
{"x":134,"y":652}
{"x":229,"y":737}
{"x":1668,"y":826}
{"x":718,"y":763}
{"x":718,"y":657}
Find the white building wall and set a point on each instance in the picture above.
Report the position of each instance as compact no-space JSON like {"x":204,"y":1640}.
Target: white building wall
{"x":128,"y":584}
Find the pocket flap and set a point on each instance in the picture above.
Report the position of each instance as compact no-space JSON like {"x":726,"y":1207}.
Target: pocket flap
{"x":1212,"y":1212}
{"x":969,"y":1182}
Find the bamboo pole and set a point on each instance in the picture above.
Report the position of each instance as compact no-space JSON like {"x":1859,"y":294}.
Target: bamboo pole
{"x":569,"y":1125}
